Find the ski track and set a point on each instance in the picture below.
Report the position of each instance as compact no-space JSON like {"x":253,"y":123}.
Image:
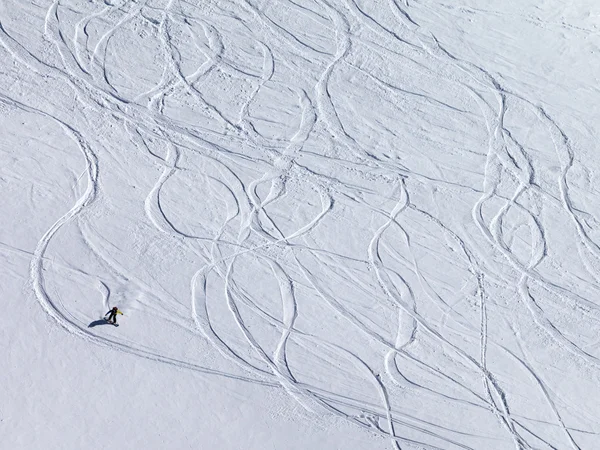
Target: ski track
{"x":251,"y":168}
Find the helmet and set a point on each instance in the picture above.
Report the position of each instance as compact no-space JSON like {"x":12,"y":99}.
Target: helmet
{"x":114,"y":307}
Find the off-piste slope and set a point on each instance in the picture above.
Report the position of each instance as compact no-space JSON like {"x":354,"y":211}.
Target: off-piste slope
{"x":375,"y":218}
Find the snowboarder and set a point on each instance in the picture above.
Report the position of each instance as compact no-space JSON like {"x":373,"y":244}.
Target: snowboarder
{"x":112,"y":315}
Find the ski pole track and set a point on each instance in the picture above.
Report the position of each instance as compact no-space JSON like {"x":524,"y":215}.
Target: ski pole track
{"x":339,"y":226}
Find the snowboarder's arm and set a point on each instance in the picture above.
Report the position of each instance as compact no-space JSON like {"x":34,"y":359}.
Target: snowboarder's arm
{"x":119,"y":312}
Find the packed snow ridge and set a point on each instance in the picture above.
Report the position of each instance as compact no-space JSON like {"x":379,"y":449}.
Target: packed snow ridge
{"x":353,"y":224}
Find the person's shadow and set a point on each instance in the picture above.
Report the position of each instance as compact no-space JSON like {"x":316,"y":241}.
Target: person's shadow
{"x":95,"y":323}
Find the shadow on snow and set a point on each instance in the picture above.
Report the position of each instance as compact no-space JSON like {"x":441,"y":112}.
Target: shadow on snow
{"x":95,"y":323}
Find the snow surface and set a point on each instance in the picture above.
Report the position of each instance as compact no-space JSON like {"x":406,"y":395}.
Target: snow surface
{"x":330,"y":224}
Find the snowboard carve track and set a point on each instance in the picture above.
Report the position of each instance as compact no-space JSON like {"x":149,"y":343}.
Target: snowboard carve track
{"x":376,"y":260}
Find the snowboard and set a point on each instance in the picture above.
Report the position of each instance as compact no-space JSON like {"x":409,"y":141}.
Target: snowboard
{"x":106,"y":320}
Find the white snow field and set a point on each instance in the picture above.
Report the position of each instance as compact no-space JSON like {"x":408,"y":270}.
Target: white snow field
{"x":330,"y":224}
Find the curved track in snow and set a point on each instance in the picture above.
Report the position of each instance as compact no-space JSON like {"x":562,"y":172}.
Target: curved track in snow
{"x":333,"y":202}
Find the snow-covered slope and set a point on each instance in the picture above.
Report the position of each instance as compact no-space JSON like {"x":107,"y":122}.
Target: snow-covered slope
{"x":330,"y":224}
